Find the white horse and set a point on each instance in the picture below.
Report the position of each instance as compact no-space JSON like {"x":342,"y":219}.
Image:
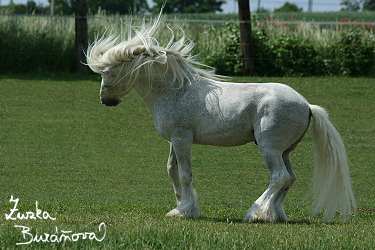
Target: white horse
{"x":190,"y":105}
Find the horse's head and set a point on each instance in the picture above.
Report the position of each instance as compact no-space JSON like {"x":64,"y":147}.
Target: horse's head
{"x":140,"y":61}
{"x":113,"y":87}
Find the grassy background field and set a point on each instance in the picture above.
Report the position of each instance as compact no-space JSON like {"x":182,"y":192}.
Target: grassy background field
{"x":86,"y":163}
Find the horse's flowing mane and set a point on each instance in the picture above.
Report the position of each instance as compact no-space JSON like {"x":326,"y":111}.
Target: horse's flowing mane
{"x":142,"y":50}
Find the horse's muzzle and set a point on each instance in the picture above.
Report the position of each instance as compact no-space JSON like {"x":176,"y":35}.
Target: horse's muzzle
{"x":110,"y":102}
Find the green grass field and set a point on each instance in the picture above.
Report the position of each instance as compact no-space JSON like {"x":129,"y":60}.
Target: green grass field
{"x":86,"y":163}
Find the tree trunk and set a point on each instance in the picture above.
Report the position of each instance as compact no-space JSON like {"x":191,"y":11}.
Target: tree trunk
{"x":246,"y":37}
{"x":81,"y":35}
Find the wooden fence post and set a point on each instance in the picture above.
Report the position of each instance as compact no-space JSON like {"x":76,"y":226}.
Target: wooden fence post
{"x":246,"y":37}
{"x":81,"y":35}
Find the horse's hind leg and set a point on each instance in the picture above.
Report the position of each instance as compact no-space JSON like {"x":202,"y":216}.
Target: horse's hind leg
{"x":279,"y":202}
{"x":264,"y":208}
{"x":172,"y":168}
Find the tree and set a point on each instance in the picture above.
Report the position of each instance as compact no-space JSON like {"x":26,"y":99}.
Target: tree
{"x":118,"y":6}
{"x":63,"y":7}
{"x":30,"y":8}
{"x":263,"y":10}
{"x":188,"y":6}
{"x":289,"y":7}
{"x":351,"y":5}
{"x":369,"y":5}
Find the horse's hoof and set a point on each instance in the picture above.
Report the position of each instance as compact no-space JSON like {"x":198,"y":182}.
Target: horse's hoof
{"x":256,"y":214}
{"x":255,"y":217}
{"x":175,"y":213}
{"x":194,"y":214}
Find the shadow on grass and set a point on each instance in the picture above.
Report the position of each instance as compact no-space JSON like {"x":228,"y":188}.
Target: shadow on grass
{"x":239,"y":221}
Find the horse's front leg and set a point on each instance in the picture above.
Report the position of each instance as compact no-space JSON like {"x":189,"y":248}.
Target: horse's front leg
{"x":188,"y":206}
{"x":172,"y":168}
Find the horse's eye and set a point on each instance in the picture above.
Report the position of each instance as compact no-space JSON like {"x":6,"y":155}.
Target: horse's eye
{"x":106,"y":86}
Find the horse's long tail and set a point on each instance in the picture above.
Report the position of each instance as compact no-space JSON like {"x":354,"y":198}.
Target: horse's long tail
{"x":332,"y":189}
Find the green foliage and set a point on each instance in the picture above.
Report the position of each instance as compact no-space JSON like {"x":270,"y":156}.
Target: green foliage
{"x":227,"y":57}
{"x":357,"y":54}
{"x":29,"y":8}
{"x":289,"y":7}
{"x":117,"y":7}
{"x":294,"y":56}
{"x":351,"y":5}
{"x":40,"y":46}
{"x":363,"y":16}
{"x":188,"y":6}
{"x":263,"y":53}
{"x":369,"y":5}
{"x":294,"y":51}
{"x":64,"y":7}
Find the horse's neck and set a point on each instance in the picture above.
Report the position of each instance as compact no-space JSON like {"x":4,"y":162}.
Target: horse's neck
{"x":161,"y":88}
{"x":151,"y":90}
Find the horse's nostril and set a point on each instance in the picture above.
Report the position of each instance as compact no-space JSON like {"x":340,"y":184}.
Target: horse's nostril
{"x":110,"y":102}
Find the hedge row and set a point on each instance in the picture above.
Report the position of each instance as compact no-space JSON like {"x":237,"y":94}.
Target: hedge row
{"x":47,"y":45}
{"x":350,"y":52}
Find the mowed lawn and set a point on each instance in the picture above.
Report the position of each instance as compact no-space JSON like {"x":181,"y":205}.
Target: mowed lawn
{"x":85,"y":163}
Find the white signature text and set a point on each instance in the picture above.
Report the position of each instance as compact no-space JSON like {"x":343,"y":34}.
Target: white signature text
{"x":39,"y":214}
{"x":59,"y":236}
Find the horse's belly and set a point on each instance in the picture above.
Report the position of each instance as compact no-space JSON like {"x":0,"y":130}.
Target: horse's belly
{"x":226,"y":137}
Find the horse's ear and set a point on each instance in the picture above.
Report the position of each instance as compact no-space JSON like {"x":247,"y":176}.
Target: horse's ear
{"x":142,"y":50}
{"x":139,"y":50}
